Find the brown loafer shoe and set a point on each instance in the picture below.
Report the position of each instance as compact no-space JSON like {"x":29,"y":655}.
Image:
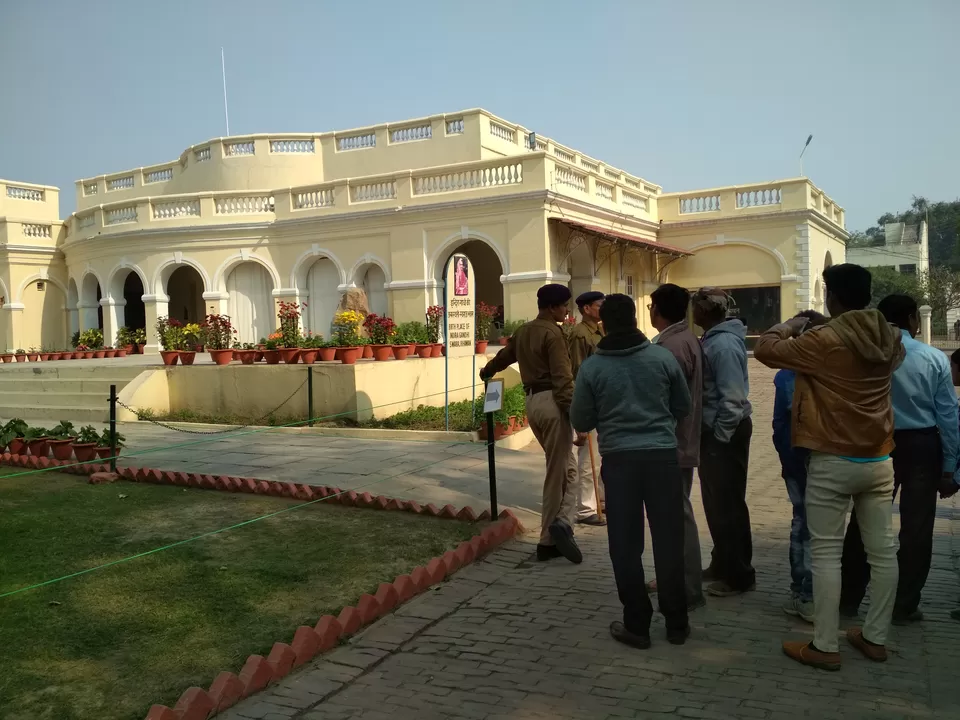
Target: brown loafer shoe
{"x":803,"y":653}
{"x":877,"y":653}
{"x":652,"y":587}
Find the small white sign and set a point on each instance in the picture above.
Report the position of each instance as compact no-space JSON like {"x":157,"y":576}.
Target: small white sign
{"x":493,"y":400}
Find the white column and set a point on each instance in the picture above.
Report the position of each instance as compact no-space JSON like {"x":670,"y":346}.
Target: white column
{"x":925,"y":317}
{"x":113,"y":315}
{"x":154,"y":307}
{"x":215,"y":302}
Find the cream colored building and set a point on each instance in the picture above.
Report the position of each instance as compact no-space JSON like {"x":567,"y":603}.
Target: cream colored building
{"x":236,"y":224}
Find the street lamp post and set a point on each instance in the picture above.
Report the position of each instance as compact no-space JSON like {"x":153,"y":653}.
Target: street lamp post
{"x":805,"y":145}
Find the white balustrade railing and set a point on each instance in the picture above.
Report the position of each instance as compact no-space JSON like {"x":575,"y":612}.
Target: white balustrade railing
{"x":409,"y":134}
{"x":589,"y":165}
{"x":86,"y":221}
{"x":357,"y":142}
{"x":637,"y":201}
{"x":176,"y":209}
{"x":201,"y":155}
{"x":703,"y":203}
{"x":371,"y":192}
{"x":22,"y":193}
{"x":455,"y":127}
{"x":239,"y":149}
{"x":569,"y":178}
{"x":503,"y":132}
{"x":314,"y":199}
{"x":759,"y":198}
{"x":292,"y":146}
{"x":509,"y":174}
{"x":633,"y":183}
{"x":36,"y":231}
{"x":542,"y":144}
{"x":244,"y":205}
{"x":115,"y":216}
{"x":90,"y":188}
{"x":604,"y":191}
{"x":564,"y":155}
{"x":613,"y":174}
{"x":120,"y":183}
{"x":156,"y":176}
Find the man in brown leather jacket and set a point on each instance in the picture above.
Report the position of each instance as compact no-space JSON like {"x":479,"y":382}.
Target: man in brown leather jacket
{"x":843,"y":414}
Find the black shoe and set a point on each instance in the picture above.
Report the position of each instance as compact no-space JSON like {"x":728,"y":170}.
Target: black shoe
{"x":622,"y":635}
{"x":696,"y":604}
{"x":678,"y":637}
{"x":594,"y":520}
{"x":849,"y":612}
{"x":709,"y":575}
{"x":907,"y":618}
{"x":562,"y":535}
{"x":547,"y":552}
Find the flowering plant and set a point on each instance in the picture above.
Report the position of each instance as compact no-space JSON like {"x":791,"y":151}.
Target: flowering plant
{"x":289,"y":314}
{"x":484,"y":320}
{"x":380,"y":329}
{"x":140,"y":336}
{"x":191,"y":336}
{"x":434,"y":319}
{"x":79,"y":348}
{"x":217,"y":332}
{"x":312,"y":341}
{"x":170,"y":333}
{"x":346,"y":328}
{"x":273,"y":341}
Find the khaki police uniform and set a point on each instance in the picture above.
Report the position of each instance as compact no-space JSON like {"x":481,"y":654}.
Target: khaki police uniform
{"x":582,"y":343}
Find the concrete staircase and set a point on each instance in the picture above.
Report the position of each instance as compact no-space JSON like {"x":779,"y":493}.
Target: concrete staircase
{"x":76,"y":390}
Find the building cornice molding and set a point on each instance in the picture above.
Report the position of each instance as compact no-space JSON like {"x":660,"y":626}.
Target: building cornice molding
{"x":806,"y":215}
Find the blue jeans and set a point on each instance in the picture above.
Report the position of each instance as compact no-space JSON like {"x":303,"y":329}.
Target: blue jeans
{"x":801,"y":584}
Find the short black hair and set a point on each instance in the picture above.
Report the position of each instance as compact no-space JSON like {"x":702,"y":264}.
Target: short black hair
{"x":850,"y":284}
{"x":671,"y":302}
{"x":618,"y":314}
{"x":898,"y":309}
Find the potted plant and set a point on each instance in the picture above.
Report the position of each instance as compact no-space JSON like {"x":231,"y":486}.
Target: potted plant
{"x":85,"y":444}
{"x":271,"y":354}
{"x":44,"y":355}
{"x":139,"y":340}
{"x":37,"y":439}
{"x":509,"y":328}
{"x":346,"y":331}
{"x":244,"y":352}
{"x":380,"y":329}
{"x":103,"y":449}
{"x":434,"y":323}
{"x":327,"y":351}
{"x":51,"y":355}
{"x":289,"y":314}
{"x":218,"y":332}
{"x":7,"y":357}
{"x":189,"y":344}
{"x":169,"y":332}
{"x":20,"y":354}
{"x":33,"y":355}
{"x":11,"y":436}
{"x":92,"y":340}
{"x":61,"y":439}
{"x":124,"y":340}
{"x":310,"y":346}
{"x":110,"y":351}
{"x":483,"y":321}
{"x":401,"y":343}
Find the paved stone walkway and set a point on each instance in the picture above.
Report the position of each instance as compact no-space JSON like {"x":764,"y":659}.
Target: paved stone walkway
{"x":509,"y":639}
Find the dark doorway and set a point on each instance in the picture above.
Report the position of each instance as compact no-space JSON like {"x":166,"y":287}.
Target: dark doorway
{"x":185,"y":290}
{"x":134,"y":314}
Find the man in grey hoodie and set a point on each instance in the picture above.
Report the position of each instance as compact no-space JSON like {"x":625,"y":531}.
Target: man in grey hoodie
{"x":725,"y":444}
{"x":633,"y":393}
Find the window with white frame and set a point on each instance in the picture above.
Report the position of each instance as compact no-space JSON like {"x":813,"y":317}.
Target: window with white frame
{"x":628,"y":286}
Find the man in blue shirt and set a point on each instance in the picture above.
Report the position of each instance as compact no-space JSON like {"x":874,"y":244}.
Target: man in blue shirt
{"x":927,"y":440}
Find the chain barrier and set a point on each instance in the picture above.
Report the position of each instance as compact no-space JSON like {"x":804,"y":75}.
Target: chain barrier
{"x":223,"y":431}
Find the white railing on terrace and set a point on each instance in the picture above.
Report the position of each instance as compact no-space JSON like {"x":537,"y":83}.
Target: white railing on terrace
{"x":759,"y":198}
{"x":86,"y":221}
{"x":90,"y":188}
{"x":176,"y":209}
{"x":632,"y":200}
{"x":36,"y":231}
{"x":590,"y":165}
{"x":569,"y":178}
{"x":244,"y":205}
{"x":509,"y":174}
{"x":371,"y":192}
{"x":704,"y":203}
{"x":292,"y":146}
{"x":542,"y":144}
{"x":116,"y":216}
{"x":156,"y":176}
{"x":503,"y":132}
{"x":239,"y":149}
{"x":313,"y":199}
{"x":409,"y":134}
{"x":633,"y":183}
{"x":604,"y":191}
{"x":613,"y":174}
{"x":564,"y":155}
{"x":357,"y":142}
{"x":120,"y":183}
{"x":22,"y":193}
{"x":202,"y":155}
{"x":455,"y":127}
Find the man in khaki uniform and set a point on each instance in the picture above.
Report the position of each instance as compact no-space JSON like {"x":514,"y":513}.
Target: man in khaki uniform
{"x":541,"y":351}
{"x":582,"y":343}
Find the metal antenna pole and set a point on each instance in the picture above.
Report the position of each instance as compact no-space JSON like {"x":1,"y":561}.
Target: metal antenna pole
{"x":223,"y":71}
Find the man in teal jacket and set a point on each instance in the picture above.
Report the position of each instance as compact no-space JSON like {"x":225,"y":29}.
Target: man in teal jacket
{"x":633,"y":393}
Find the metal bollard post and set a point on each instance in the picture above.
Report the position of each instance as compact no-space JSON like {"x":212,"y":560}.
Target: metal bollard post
{"x":113,"y":428}
{"x":309,"y":396}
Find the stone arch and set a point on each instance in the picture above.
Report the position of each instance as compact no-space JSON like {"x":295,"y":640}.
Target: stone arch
{"x":91,"y":292}
{"x":44,"y":310}
{"x":720,"y":241}
{"x":224,"y":271}
{"x":372,"y":275}
{"x":32,"y":279}
{"x":249,"y":287}
{"x":451,"y":244}
{"x":162,"y":274}
{"x":3,"y":292}
{"x":489,"y":265}
{"x":827,"y":260}
{"x":126,"y":287}
{"x":301,"y":268}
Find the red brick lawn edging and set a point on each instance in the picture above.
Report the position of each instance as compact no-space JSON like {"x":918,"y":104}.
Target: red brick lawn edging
{"x":258,"y":672}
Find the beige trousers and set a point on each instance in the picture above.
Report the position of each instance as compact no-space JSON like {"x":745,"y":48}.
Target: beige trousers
{"x":586,"y":493}
{"x":551,"y":427}
{"x":831,"y":483}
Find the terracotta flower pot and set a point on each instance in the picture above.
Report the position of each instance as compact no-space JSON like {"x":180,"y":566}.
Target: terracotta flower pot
{"x":258,"y":356}
{"x":21,"y":358}
{"x":413,"y":348}
{"x":6,"y":358}
{"x":170,"y":357}
{"x":85,"y":452}
{"x":33,"y":357}
{"x":246,"y":357}
{"x":104,"y":452}
{"x":308,"y":356}
{"x":439,"y":349}
{"x":110,"y":353}
{"x":381,"y":353}
{"x":187,"y":356}
{"x":17,"y":446}
{"x":504,"y":340}
{"x":221,"y":357}
{"x":425,"y":351}
{"x":272,"y":357}
{"x":367,"y":352}
{"x":400,"y":352}
{"x":62,"y":449}
{"x":481,"y":347}
{"x":76,"y":355}
{"x":99,"y":354}
{"x":120,"y":353}
{"x":88,"y":354}
{"x":131,"y":348}
{"x":291,"y":356}
{"x":44,"y":357}
{"x":350,"y":355}
{"x":328,"y":354}
{"x":39,"y":447}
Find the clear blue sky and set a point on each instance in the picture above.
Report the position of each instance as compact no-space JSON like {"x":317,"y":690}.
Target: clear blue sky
{"x":686,"y":94}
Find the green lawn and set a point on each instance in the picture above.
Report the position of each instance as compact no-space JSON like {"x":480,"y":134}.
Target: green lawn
{"x":109,"y":644}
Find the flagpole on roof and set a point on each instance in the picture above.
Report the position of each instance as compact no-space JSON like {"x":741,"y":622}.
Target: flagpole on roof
{"x":223,"y":71}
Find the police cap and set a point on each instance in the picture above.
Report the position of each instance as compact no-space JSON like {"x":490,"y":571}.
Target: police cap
{"x":553,"y":295}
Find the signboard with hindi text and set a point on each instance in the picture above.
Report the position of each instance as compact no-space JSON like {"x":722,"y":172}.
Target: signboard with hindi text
{"x":461,"y":301}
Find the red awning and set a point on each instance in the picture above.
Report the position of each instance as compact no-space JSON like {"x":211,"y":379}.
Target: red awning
{"x":647,"y":244}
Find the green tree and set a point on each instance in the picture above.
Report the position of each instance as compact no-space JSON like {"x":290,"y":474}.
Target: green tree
{"x":887,"y":281}
{"x":943,"y":223}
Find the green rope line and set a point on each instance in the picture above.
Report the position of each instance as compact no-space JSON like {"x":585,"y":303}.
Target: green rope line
{"x":209,"y":533}
{"x":217,"y":438}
